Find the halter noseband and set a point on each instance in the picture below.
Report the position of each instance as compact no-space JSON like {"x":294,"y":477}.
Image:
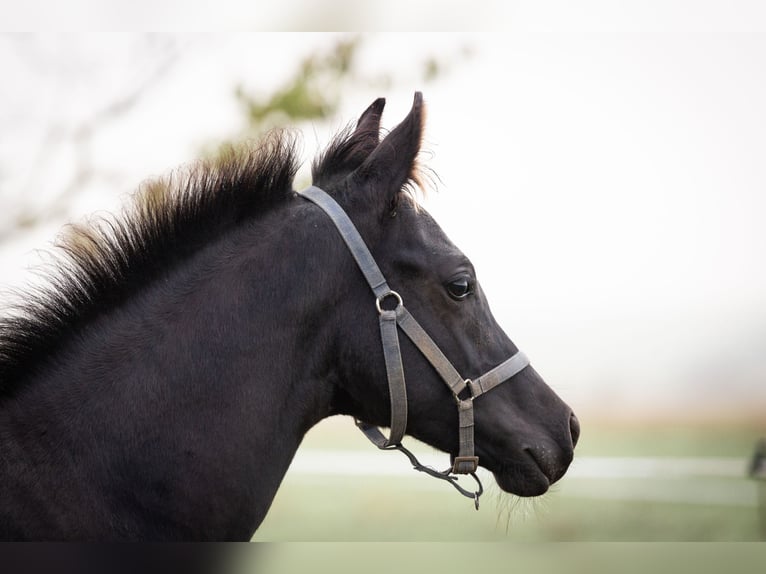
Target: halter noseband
{"x":466,"y":462}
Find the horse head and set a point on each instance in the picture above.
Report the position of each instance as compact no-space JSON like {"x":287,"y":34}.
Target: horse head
{"x":522,"y":431}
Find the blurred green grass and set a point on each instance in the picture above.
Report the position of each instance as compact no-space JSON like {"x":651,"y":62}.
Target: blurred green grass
{"x":413,"y":507}
{"x":572,"y":558}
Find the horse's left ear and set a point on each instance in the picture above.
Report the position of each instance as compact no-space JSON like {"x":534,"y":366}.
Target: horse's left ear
{"x":367,"y":130}
{"x":393,"y":162}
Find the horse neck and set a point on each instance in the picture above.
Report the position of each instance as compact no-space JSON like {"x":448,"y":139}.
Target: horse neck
{"x":214,"y":372}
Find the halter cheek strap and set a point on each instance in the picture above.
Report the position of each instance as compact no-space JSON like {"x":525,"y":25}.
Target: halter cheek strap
{"x":390,"y":321}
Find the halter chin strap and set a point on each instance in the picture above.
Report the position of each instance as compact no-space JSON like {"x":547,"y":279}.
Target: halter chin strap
{"x":466,"y":462}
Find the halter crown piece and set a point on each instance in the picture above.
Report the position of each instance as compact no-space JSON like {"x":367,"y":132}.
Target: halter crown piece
{"x":465,"y":462}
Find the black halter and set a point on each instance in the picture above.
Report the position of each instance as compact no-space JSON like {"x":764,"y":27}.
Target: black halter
{"x":465,"y":462}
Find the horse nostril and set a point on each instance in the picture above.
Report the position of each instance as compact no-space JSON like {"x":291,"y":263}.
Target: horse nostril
{"x":574,"y":428}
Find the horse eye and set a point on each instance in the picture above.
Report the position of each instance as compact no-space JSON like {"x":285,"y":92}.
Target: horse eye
{"x":459,"y":288}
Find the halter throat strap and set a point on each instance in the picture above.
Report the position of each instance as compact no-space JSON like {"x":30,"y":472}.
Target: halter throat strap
{"x":390,"y":320}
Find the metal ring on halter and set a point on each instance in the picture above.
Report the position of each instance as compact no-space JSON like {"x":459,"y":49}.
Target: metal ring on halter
{"x":467,"y":383}
{"x":389,"y":294}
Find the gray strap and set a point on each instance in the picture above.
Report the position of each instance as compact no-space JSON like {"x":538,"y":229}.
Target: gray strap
{"x":373,"y":433}
{"x":426,"y":345}
{"x":465,"y":462}
{"x":397,"y":390}
{"x":465,"y":420}
{"x":502,"y":372}
{"x":352,"y":238}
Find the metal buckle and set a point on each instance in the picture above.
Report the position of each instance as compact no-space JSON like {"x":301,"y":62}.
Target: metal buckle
{"x":459,"y":460}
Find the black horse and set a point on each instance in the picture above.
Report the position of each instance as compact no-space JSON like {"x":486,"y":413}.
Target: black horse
{"x":158,"y":387}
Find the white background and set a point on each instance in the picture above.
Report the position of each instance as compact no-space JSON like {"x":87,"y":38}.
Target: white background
{"x":602,"y":167}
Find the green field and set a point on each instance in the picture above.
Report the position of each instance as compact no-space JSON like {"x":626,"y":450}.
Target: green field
{"x":659,"y":483}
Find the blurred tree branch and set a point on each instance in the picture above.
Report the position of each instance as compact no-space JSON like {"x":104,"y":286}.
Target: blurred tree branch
{"x":314,"y":91}
{"x":81,"y":136}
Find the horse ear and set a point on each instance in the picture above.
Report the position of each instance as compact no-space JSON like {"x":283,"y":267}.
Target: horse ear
{"x":367,"y":130}
{"x":393,"y":162}
{"x":349,"y":151}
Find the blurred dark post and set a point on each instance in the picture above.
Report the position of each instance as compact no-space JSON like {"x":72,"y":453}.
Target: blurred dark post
{"x":758,"y":472}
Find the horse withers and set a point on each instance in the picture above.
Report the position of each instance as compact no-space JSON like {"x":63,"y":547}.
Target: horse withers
{"x":158,"y":386}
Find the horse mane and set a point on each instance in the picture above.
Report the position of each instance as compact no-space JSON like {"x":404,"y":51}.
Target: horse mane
{"x":96,"y":265}
{"x":99,"y":263}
